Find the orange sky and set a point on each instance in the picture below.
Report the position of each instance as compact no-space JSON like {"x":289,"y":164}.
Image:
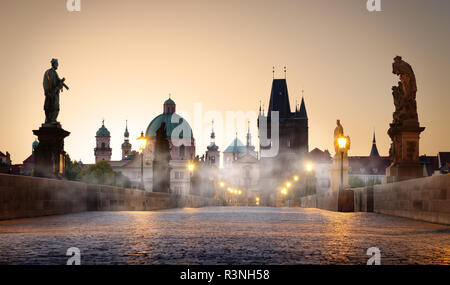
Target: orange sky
{"x":122,"y":59}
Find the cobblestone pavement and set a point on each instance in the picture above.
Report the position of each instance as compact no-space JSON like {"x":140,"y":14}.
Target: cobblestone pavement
{"x":223,"y":235}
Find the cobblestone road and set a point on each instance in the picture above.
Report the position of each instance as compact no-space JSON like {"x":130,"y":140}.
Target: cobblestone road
{"x":223,"y":236}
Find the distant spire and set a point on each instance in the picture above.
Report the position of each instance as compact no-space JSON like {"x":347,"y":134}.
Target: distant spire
{"x":302,"y":111}
{"x":103,"y":122}
{"x":126,"y":134}
{"x":249,"y":136}
{"x":213,"y":135}
{"x":285,"y":72}
{"x":374,"y":150}
{"x":273,"y":72}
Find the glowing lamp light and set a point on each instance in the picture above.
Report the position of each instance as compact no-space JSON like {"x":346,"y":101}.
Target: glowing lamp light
{"x":309,"y":167}
{"x":296,"y":178}
{"x":257,"y":199}
{"x":222,"y":184}
{"x":142,"y":142}
{"x":239,"y":192}
{"x":284,"y":191}
{"x":342,"y":142}
{"x":288,"y":184}
{"x":191,"y":167}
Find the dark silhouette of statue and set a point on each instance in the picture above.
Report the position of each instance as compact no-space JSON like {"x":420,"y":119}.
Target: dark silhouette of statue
{"x":404,"y":94}
{"x":52,"y":86}
{"x":405,"y":128}
{"x":161,"y":168}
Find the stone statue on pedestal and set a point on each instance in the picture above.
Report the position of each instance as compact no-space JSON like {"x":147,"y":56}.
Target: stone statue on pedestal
{"x":404,"y":129}
{"x":340,"y":155}
{"x":52,"y":86}
{"x":161,"y":161}
{"x":50,"y":154}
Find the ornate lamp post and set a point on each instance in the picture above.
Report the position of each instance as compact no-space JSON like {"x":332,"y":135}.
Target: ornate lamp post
{"x":342,"y":142}
{"x":142,"y":143}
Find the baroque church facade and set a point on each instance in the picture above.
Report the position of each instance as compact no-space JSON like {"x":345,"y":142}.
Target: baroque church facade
{"x":182,"y":150}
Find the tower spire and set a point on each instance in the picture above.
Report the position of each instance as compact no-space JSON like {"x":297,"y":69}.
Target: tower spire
{"x":374,"y":150}
{"x":273,"y":72}
{"x":126,"y":134}
{"x":249,"y":136}
{"x":285,"y":72}
{"x":213,"y":135}
{"x":302,"y":111}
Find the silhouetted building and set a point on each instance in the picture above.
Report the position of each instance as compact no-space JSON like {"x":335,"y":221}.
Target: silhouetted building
{"x":292,"y":141}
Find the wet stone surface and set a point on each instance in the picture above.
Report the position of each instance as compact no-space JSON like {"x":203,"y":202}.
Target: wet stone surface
{"x":223,"y":236}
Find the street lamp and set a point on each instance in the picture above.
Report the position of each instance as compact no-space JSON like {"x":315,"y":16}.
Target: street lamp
{"x":142,"y":143}
{"x":191,"y":167}
{"x":309,"y":167}
{"x":221,"y":184}
{"x":296,"y":178}
{"x":288,"y":184}
{"x":342,"y":142}
{"x":284,"y":191}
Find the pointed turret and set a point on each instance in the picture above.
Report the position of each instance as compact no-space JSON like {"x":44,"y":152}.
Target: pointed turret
{"x":249,"y":136}
{"x":374,"y":150}
{"x":302,"y":112}
{"x":212,"y":146}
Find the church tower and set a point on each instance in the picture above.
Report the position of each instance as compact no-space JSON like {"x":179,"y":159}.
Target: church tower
{"x":212,"y":153}
{"x":126,"y":146}
{"x":102,"y":151}
{"x":293,"y":126}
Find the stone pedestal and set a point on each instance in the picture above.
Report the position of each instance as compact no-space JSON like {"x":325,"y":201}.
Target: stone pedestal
{"x":346,"y":201}
{"x":404,"y":153}
{"x":50,"y":154}
{"x":335,"y":172}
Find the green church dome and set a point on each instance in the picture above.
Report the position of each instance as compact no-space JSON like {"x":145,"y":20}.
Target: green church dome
{"x":35,"y":144}
{"x":103,"y":131}
{"x":166,"y":118}
{"x":169,"y":102}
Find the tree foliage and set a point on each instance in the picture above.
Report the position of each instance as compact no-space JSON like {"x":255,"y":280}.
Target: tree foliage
{"x":103,"y":173}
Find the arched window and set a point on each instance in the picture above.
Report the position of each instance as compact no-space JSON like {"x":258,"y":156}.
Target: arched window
{"x":103,"y":145}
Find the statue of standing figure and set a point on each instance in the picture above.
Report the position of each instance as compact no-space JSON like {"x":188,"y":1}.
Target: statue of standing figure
{"x":52,"y":86}
{"x":339,"y":132}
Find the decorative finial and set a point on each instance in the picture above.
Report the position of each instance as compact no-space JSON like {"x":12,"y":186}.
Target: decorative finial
{"x":103,"y":121}
{"x":273,"y":72}
{"x":285,"y":72}
{"x":303,"y":91}
{"x":170,"y":95}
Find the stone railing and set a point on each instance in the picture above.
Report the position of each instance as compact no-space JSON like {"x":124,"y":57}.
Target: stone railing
{"x":426,"y":199}
{"x":25,"y":197}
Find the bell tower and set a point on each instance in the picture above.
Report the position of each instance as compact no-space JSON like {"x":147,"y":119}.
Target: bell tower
{"x":126,"y":146}
{"x":102,"y":151}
